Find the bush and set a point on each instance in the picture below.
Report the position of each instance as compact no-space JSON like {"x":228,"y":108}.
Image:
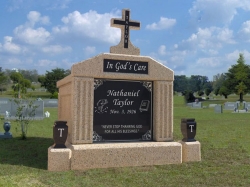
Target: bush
{"x":189,"y":96}
{"x":54,"y":95}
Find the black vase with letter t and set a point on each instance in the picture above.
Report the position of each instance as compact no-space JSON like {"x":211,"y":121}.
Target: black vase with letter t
{"x":60,"y":133}
{"x":188,"y":129}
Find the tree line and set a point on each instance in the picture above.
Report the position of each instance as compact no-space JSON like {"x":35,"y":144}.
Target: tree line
{"x":21,"y":80}
{"x":236,"y":80}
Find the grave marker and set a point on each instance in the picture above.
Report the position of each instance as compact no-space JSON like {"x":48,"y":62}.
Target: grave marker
{"x":218,"y":109}
{"x":230,"y":106}
{"x":118,"y":105}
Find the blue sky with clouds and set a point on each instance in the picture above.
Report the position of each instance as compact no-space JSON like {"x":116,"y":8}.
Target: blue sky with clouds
{"x":191,"y":37}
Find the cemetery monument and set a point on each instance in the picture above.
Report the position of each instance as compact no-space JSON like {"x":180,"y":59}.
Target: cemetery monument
{"x":118,"y":108}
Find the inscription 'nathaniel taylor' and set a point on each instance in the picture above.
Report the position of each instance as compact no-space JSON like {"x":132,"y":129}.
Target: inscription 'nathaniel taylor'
{"x":123,"y":66}
{"x":122,"y":110}
{"x":121,"y":93}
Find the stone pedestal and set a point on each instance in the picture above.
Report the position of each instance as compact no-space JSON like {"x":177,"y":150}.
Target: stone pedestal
{"x":5,"y":135}
{"x":59,"y":159}
{"x":87,"y":156}
{"x":191,"y":151}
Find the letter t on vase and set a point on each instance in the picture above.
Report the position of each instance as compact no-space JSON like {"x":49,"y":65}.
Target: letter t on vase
{"x":60,"y":133}
{"x":188,"y":129}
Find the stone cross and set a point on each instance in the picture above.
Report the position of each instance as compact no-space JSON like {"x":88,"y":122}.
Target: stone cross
{"x":125,"y":24}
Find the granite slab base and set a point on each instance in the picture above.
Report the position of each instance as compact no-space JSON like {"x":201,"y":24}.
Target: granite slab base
{"x":191,"y":151}
{"x":108,"y":155}
{"x":125,"y":154}
{"x":59,"y":159}
{"x":5,"y":135}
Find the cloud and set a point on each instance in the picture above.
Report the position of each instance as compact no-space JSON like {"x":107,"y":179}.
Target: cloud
{"x":217,"y":12}
{"x":9,"y":47}
{"x":27,"y":33}
{"x":59,"y":4}
{"x":244,"y":32}
{"x":89,"y":50}
{"x":164,"y":23}
{"x":35,"y":17}
{"x":89,"y":25}
{"x":210,"y":62}
{"x":56,"y":49}
{"x":46,"y":63}
{"x":234,"y":56}
{"x":162,"y":50}
{"x":32,"y":36}
{"x":207,"y":39}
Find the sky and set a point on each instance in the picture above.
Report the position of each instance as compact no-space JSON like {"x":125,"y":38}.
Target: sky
{"x":191,"y":37}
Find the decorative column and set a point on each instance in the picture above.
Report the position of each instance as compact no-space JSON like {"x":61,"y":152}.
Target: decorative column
{"x":82,"y":127}
{"x":163,"y":111}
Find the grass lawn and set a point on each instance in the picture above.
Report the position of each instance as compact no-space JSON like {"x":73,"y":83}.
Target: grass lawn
{"x":225,"y":151}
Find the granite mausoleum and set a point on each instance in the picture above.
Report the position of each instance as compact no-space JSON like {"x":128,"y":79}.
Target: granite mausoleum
{"x":119,"y":111}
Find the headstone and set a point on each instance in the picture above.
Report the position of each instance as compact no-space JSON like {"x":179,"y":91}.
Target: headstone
{"x":246,"y":105}
{"x":118,"y":105}
{"x":38,"y":113}
{"x":122,"y":110}
{"x":50,"y":103}
{"x":212,"y":105}
{"x":197,"y":105}
{"x":5,"y":105}
{"x":190,"y":104}
{"x":230,"y":106}
{"x":218,"y":109}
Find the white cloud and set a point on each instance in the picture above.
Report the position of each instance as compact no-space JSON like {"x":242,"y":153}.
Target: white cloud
{"x":59,"y":4}
{"x":89,"y":50}
{"x":56,"y":49}
{"x":91,"y":25}
{"x":35,"y":17}
{"x":234,"y":56}
{"x":210,"y":62}
{"x":46,"y":63}
{"x":32,"y":36}
{"x":164,"y":23}
{"x":208,"y":39}
{"x":244,"y":32}
{"x":217,"y":12}
{"x":9,"y":46}
{"x":162,"y":50}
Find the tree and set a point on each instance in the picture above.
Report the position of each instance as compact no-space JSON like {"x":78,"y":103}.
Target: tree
{"x":197,"y":83}
{"x":31,"y":75}
{"x":180,"y":83}
{"x":224,"y":91}
{"x":238,"y":78}
{"x":208,"y":91}
{"x":51,"y":77}
{"x":189,"y":96}
{"x":20,"y":84}
{"x":218,"y":81}
{"x":25,"y":113}
{"x":3,"y":80}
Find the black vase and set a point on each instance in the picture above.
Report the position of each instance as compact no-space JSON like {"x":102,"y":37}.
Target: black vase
{"x":188,"y":129}
{"x":6,"y":127}
{"x":60,"y":133}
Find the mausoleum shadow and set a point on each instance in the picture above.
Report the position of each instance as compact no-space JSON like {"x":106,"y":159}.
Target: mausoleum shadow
{"x":32,"y":152}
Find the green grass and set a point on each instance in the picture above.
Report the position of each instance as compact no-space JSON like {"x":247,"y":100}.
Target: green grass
{"x":225,"y":151}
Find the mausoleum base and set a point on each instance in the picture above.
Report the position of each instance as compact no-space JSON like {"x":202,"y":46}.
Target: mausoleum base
{"x":59,"y":159}
{"x":87,"y":156}
{"x":191,"y":151}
